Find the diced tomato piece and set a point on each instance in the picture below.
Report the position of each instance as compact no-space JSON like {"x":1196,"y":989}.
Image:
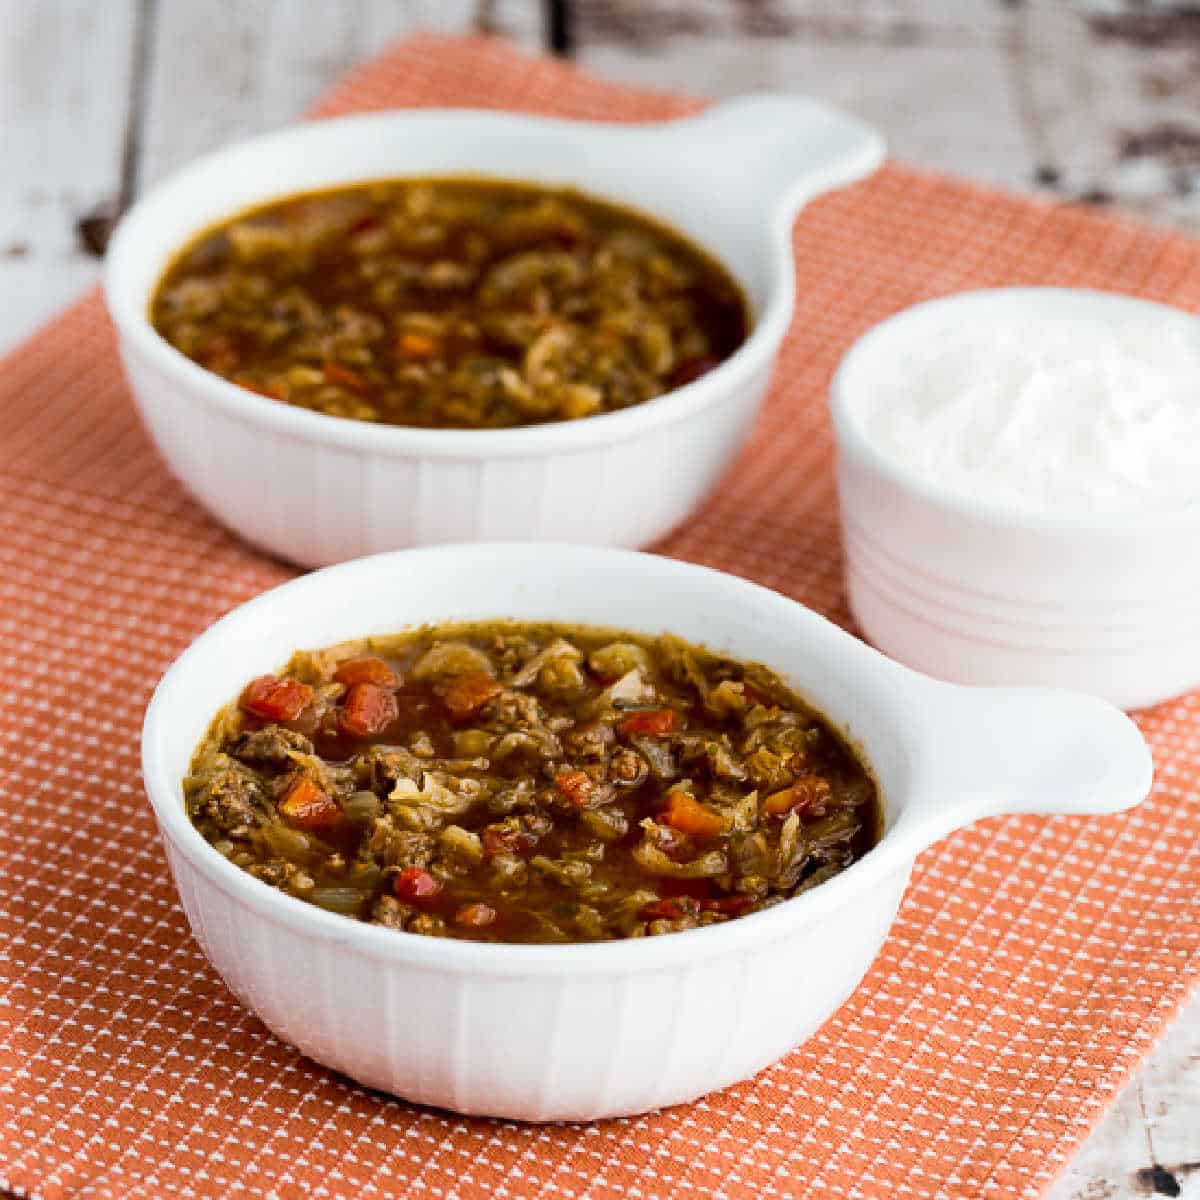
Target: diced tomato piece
{"x":344,"y":376}
{"x":465,"y":695}
{"x":808,"y":791}
{"x":673,"y":909}
{"x":501,"y":840}
{"x":475,"y":916}
{"x":276,"y":699}
{"x":731,"y":905}
{"x":575,"y":786}
{"x":368,"y":669}
{"x":417,"y":347}
{"x":686,"y":813}
{"x":367,"y":221}
{"x":308,"y":805}
{"x":368,"y":710}
{"x":415,"y":884}
{"x":654,"y":722}
{"x":754,"y":696}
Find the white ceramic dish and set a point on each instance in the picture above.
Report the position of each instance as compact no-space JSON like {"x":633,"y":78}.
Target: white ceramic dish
{"x":585,"y":1031}
{"x":979,"y":594}
{"x":318,"y":489}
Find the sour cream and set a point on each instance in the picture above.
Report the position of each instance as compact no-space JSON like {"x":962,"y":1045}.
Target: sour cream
{"x":1061,"y":412}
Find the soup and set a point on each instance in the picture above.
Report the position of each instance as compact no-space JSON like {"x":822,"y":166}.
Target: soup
{"x":530,"y":783}
{"x":450,"y":303}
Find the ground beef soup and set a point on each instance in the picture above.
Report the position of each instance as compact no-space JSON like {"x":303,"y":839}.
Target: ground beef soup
{"x":530,"y":783}
{"x":450,"y":303}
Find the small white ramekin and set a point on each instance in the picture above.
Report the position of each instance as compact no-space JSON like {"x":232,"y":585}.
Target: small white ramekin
{"x":317,"y":489}
{"x":585,"y":1031}
{"x":979,"y":594}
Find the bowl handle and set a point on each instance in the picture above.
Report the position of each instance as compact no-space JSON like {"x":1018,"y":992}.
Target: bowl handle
{"x":786,"y":149}
{"x":1022,"y":750}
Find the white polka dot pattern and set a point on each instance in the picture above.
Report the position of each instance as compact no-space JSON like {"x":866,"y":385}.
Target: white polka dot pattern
{"x":1032,"y":963}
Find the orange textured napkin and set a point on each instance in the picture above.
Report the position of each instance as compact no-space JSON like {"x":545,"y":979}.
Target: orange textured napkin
{"x":1033,"y":960}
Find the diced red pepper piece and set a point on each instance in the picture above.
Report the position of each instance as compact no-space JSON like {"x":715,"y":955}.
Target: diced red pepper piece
{"x":309,"y":806}
{"x":575,"y":786}
{"x":653,"y":722}
{"x":415,"y":884}
{"x":368,"y":669}
{"x":276,"y":699}
{"x":344,"y":376}
{"x":809,"y":790}
{"x":475,"y":916}
{"x":674,"y":908}
{"x":685,"y":813}
{"x":732,"y":906}
{"x":367,"y":710}
{"x":501,"y":840}
{"x":465,"y":695}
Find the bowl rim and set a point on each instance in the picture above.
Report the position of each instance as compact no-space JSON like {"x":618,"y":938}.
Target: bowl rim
{"x":898,"y":845}
{"x":130,"y":313}
{"x":852,"y":441}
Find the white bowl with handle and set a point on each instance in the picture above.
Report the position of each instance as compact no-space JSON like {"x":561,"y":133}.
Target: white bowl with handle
{"x":317,"y":489}
{"x":576,"y":1032}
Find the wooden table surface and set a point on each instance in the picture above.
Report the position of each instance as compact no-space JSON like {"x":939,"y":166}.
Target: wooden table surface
{"x":1095,"y":100}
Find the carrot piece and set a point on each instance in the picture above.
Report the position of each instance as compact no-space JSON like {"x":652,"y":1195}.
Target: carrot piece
{"x":368,"y":669}
{"x":654,"y":722}
{"x":306,"y":804}
{"x":271,"y":391}
{"x":688,"y":815}
{"x":415,"y":884}
{"x":344,"y":376}
{"x":575,"y":786}
{"x":809,"y":790}
{"x":465,"y":695}
{"x":276,"y":699}
{"x":367,"y":710}
{"x":475,"y":916}
{"x":417,"y":347}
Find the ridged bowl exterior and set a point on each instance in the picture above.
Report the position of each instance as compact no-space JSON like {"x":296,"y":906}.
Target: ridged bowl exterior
{"x":561,"y":1047}
{"x":314,"y":503}
{"x":973,"y":595}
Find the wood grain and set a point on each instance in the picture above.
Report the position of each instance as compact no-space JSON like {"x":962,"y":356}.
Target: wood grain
{"x":1094,"y":100}
{"x":64,"y":99}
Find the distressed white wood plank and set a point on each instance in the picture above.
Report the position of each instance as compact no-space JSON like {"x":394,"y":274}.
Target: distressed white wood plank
{"x":225,"y":69}
{"x":1112,"y":93}
{"x":934,"y":76}
{"x":1151,"y":1136}
{"x":64,"y":91}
